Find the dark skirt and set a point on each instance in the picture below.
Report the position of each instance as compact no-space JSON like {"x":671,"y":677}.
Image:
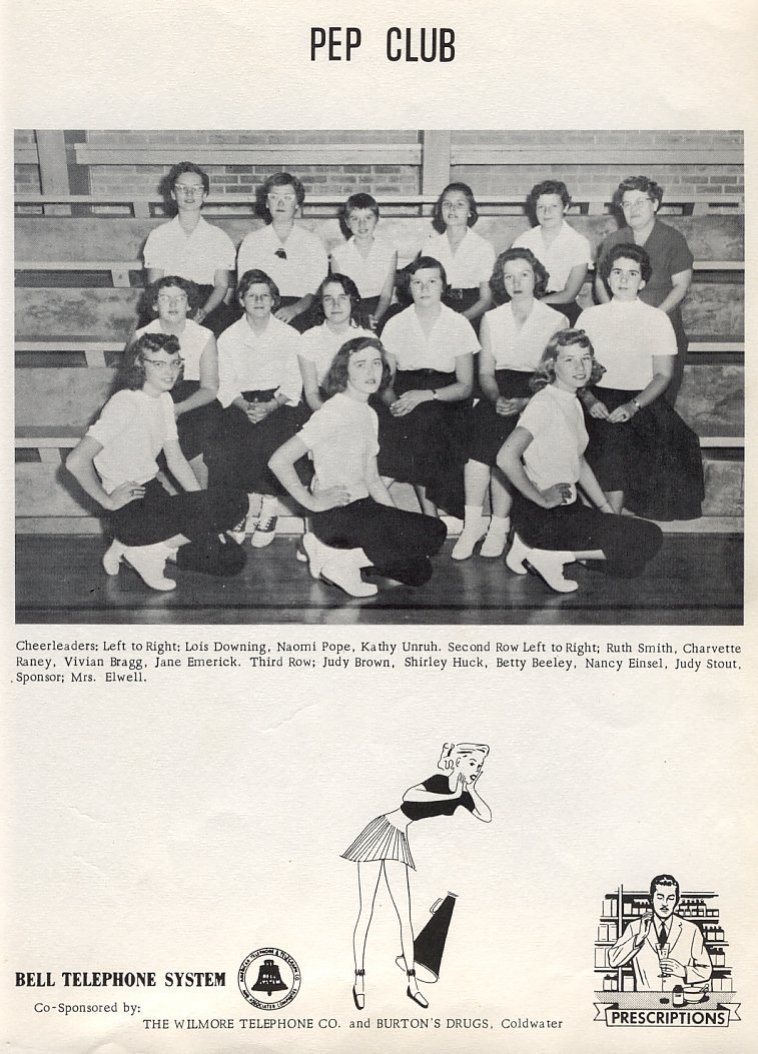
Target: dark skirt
{"x":572,"y":310}
{"x":160,"y":515}
{"x":427,"y":447}
{"x":197,"y":427}
{"x":240,"y":452}
{"x":628,"y":543}
{"x":461,"y":300}
{"x":654,"y":458}
{"x":398,"y":543}
{"x":487,"y":429}
{"x":222,"y":315}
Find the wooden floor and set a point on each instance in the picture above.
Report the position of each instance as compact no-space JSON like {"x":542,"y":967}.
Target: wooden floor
{"x":695,"y":580}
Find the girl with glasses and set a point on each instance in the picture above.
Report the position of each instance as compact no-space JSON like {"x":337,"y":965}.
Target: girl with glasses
{"x":259,"y":388}
{"x":190,"y":247}
{"x":116,"y":465}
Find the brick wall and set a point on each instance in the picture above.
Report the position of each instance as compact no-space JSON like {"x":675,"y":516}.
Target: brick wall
{"x":583,"y":178}
{"x":243,"y":179}
{"x":592,"y":179}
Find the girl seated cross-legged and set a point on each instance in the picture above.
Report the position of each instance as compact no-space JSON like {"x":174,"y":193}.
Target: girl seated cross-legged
{"x":354,"y":523}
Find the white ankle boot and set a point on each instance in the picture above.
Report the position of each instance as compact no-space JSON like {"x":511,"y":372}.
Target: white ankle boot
{"x":317,"y":553}
{"x":112,"y":557}
{"x":494,"y":543}
{"x":149,"y":561}
{"x":474,"y":528}
{"x":516,"y":555}
{"x":549,"y":564}
{"x":343,"y":569}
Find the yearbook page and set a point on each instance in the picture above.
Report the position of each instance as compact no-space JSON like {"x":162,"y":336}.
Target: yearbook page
{"x":377,"y":631}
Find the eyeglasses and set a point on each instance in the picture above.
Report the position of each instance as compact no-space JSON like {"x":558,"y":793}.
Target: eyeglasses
{"x":165,"y":298}
{"x":189,"y":189}
{"x":164,"y":364}
{"x":287,"y":199}
{"x":281,"y":254}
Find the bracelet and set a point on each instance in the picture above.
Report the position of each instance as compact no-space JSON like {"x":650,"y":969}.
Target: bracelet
{"x":634,"y":400}
{"x":434,"y":393}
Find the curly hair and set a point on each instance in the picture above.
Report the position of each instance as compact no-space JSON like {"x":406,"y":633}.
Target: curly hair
{"x":648,"y":186}
{"x":257,"y":277}
{"x":497,"y":282}
{"x":336,"y":379}
{"x":279,"y":179}
{"x":548,"y":186}
{"x":166,"y":185}
{"x":564,"y":338}
{"x":626,"y":251}
{"x":450,"y":751}
{"x":350,"y":288}
{"x":462,"y":188}
{"x":189,"y":288}
{"x":131,"y":373}
{"x":356,"y":201}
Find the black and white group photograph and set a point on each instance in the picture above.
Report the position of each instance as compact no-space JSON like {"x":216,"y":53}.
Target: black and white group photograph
{"x":379,"y":377}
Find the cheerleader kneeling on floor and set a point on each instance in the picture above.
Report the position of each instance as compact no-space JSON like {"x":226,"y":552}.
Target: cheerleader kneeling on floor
{"x":544,"y":460}
{"x":115,"y":463}
{"x":354,"y":522}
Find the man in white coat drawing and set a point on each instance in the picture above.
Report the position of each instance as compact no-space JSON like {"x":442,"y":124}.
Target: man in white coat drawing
{"x":664,"y":949}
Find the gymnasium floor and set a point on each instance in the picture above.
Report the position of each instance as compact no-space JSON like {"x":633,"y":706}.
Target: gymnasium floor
{"x":696,"y":579}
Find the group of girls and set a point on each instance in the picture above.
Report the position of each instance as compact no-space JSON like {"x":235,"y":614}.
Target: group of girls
{"x":299,"y":395}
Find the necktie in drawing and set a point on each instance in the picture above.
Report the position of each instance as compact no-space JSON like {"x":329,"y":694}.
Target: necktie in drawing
{"x":662,"y":935}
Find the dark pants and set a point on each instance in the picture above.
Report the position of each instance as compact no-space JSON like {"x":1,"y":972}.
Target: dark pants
{"x":160,"y":515}
{"x":239,"y":453}
{"x":627,"y":543}
{"x":398,"y":543}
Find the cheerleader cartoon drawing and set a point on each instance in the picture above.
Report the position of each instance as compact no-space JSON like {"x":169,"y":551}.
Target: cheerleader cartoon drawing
{"x":382,"y":850}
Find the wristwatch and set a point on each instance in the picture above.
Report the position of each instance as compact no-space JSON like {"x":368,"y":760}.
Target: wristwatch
{"x":634,"y":400}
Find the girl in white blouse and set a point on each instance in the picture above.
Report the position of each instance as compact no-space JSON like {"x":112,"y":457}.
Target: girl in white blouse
{"x":468,"y":259}
{"x":260,"y":388}
{"x":337,"y":315}
{"x":197,"y":412}
{"x":116,"y":464}
{"x":646,"y":458}
{"x":565,"y":254}
{"x":367,"y":258}
{"x":431,"y":351}
{"x":544,"y":460}
{"x":354,"y":522}
{"x":514,"y":336}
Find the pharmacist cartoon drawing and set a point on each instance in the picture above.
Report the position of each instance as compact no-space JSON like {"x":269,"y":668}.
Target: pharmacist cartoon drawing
{"x":382,"y":850}
{"x":663,"y":958}
{"x":663,"y":948}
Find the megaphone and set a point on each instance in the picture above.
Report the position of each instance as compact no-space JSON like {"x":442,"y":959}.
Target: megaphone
{"x":430,"y":942}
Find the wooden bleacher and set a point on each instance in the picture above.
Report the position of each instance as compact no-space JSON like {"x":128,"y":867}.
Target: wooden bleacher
{"x":79,"y":279}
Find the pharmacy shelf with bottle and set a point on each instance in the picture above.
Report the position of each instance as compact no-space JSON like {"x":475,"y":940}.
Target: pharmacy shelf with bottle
{"x":622,"y":906}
